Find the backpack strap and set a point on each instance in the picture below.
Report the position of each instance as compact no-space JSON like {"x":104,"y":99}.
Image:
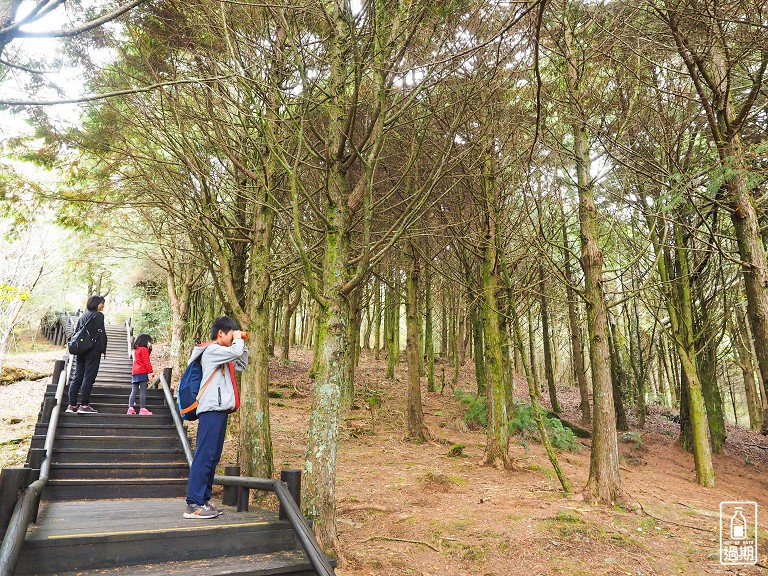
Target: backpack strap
{"x":194,"y":404}
{"x":204,"y":386}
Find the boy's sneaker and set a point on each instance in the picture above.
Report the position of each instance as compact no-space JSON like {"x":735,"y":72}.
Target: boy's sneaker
{"x":144,"y":412}
{"x":199,"y":512}
{"x":131,"y":410}
{"x":86,"y":409}
{"x":209,"y":505}
{"x":72,"y":408}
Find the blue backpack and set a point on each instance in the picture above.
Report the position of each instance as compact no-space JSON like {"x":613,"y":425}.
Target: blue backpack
{"x":189,"y":391}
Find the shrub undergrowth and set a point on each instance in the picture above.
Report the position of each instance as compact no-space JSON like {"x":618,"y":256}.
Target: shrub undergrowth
{"x":521,"y":422}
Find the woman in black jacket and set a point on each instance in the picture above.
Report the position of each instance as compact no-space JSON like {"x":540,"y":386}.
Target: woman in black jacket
{"x":87,"y":365}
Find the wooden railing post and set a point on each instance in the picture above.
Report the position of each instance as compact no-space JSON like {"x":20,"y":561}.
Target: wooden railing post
{"x":229,"y":494}
{"x":292,"y":478}
{"x":167,"y":372}
{"x":243,"y":495}
{"x":12,"y":482}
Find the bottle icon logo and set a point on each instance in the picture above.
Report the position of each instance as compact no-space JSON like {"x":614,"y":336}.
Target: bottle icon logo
{"x":738,"y":525}
{"x":738,"y":533}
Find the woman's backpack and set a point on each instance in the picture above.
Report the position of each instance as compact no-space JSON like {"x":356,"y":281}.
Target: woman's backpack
{"x":81,"y":341}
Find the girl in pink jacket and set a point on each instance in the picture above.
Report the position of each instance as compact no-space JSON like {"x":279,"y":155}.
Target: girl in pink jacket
{"x":142,"y":370}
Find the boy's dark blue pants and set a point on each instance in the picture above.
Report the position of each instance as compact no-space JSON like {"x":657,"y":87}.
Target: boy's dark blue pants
{"x":211,"y":428}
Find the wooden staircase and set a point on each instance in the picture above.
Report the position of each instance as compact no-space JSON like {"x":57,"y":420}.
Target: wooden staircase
{"x":115,"y":496}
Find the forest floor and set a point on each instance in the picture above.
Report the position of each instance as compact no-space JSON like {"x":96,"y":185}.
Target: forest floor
{"x":410,"y":509}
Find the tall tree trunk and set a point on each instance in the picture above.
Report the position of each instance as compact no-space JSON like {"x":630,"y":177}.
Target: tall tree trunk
{"x":352,"y":313}
{"x":547,"y":343}
{"x":416,"y":430}
{"x":681,"y":315}
{"x":275,"y":311}
{"x":733,"y":397}
{"x":604,"y":484}
{"x":366,"y":344}
{"x":662,"y":377}
{"x":391,"y":329}
{"x":532,"y":349}
{"x":179,"y":299}
{"x":429,"y":344}
{"x":575,"y":331}
{"x":752,"y":254}
{"x":377,"y":318}
{"x":497,"y":431}
{"x":288,"y":312}
{"x":443,"y":323}
{"x":506,"y":348}
{"x":641,"y":372}
{"x":458,"y":341}
{"x":476,"y":318}
{"x":712,"y":72}
{"x":617,"y":379}
{"x":255,"y":456}
{"x":740,"y":338}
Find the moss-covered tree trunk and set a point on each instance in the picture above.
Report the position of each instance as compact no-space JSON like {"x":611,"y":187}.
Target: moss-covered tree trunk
{"x":508,"y":369}
{"x":532,"y":349}
{"x":377,"y":318}
{"x":476,"y":316}
{"x":617,"y":380}
{"x":255,"y":456}
{"x":740,"y":339}
{"x":752,"y":255}
{"x":549,"y":370}
{"x":289,"y":309}
{"x":391,"y":328}
{"x":444,"y":322}
{"x":429,"y":344}
{"x":497,"y":431}
{"x":681,"y":315}
{"x":706,"y":364}
{"x":319,"y":497}
{"x":415,"y":416}
{"x":352,"y":312}
{"x":179,"y":296}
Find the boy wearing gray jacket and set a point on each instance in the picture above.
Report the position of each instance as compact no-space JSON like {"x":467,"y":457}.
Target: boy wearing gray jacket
{"x":219,"y":360}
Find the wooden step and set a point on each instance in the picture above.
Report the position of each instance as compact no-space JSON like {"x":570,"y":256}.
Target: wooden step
{"x":115,"y":394}
{"x":88,"y":425}
{"x":117,"y":413}
{"x":89,"y":535}
{"x":113,"y":441}
{"x":122,"y":470}
{"x":284,"y":563}
{"x":160,"y":413}
{"x":109,"y":488}
{"x":170,"y":455}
